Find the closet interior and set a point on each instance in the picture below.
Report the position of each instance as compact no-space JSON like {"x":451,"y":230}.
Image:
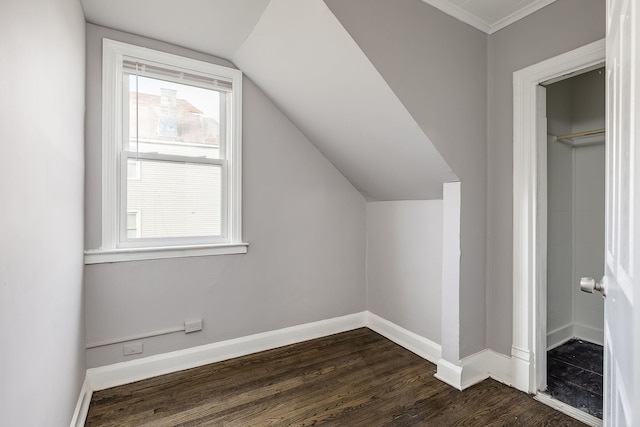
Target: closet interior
{"x":575,"y":238}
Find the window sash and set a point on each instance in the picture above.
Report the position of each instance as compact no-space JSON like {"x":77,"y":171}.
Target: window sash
{"x":225,"y":111}
{"x":125,"y":242}
{"x":147,"y":68}
{"x":175,"y":75}
{"x":134,"y":155}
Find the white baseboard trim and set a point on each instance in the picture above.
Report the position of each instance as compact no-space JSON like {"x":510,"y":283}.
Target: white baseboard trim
{"x":559,"y":336}
{"x":574,"y":330}
{"x":413,"y":342}
{"x":521,"y":370}
{"x":471,"y":370}
{"x":152,"y":366}
{"x":148,"y":367}
{"x":486,"y":364}
{"x":589,"y":334}
{"x":82,"y":406}
{"x":475,"y":368}
{"x":499,"y":367}
{"x":449,"y":373}
{"x":588,"y":419}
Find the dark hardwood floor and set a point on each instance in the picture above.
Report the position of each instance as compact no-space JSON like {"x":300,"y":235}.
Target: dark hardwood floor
{"x":574,"y":375}
{"x":356,"y":378}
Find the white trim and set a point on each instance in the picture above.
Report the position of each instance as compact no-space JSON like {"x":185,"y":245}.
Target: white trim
{"x":574,"y":330}
{"x":489,"y":363}
{"x":233,"y":154}
{"x":98,"y":256}
{"x":449,"y":373}
{"x":588,"y":333}
{"x":579,"y":415}
{"x":521,"y":369}
{"x":519,"y":14}
{"x":475,"y":368}
{"x":499,"y":367}
{"x":559,"y":336}
{"x":525,"y":189}
{"x":82,"y":406}
{"x":461,"y":14}
{"x":540,"y":315}
{"x":152,"y":366}
{"x":413,"y":342}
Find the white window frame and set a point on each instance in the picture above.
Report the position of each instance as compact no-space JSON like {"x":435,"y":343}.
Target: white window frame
{"x":113,"y":247}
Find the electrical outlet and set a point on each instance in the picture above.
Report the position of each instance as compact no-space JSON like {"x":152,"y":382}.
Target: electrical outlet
{"x":133,"y":348}
{"x":192,"y":326}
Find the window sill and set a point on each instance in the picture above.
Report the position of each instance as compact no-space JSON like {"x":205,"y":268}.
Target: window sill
{"x":100,"y":256}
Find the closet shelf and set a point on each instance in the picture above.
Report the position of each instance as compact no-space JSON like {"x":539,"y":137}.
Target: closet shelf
{"x":568,"y":138}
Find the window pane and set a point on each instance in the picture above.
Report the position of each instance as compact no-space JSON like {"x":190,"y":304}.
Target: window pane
{"x":176,"y":199}
{"x":133,"y":169}
{"x":173,"y":118}
{"x":132,"y":225}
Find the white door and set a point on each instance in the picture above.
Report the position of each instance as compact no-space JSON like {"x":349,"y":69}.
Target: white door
{"x":622,"y":324}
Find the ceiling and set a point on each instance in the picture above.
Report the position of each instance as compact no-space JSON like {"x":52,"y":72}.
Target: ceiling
{"x":217,"y":27}
{"x":308,"y":64}
{"x":489,"y":15}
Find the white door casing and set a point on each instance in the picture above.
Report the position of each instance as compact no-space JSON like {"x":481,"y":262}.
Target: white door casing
{"x":529,"y":227}
{"x":540,"y":315}
{"x":622,"y":324}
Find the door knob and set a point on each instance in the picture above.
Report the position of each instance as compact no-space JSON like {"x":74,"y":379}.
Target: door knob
{"x":589,"y":284}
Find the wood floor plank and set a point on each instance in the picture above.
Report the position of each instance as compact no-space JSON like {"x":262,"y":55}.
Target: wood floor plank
{"x":357,"y":378}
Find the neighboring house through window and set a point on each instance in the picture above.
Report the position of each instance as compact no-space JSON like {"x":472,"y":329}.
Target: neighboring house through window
{"x":133,"y":224}
{"x":171,"y":156}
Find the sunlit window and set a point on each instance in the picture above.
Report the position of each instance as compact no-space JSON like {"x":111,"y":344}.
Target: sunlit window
{"x":172,"y":147}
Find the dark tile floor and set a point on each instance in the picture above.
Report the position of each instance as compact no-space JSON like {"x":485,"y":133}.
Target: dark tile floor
{"x":574,"y":375}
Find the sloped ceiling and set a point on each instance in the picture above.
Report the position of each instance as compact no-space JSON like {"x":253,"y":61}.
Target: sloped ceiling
{"x":306,"y":62}
{"x":217,"y":27}
{"x":310,"y":66}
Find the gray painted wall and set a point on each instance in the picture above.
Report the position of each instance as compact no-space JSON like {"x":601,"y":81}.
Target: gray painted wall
{"x":304,"y":221}
{"x":559,"y":212}
{"x":560,"y":27}
{"x":42,"y":362}
{"x":437,"y":66}
{"x":589,"y":216}
{"x":404,"y":264}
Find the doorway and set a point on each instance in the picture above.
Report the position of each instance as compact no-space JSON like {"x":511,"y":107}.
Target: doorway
{"x":575,"y":243}
{"x":529,"y":344}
